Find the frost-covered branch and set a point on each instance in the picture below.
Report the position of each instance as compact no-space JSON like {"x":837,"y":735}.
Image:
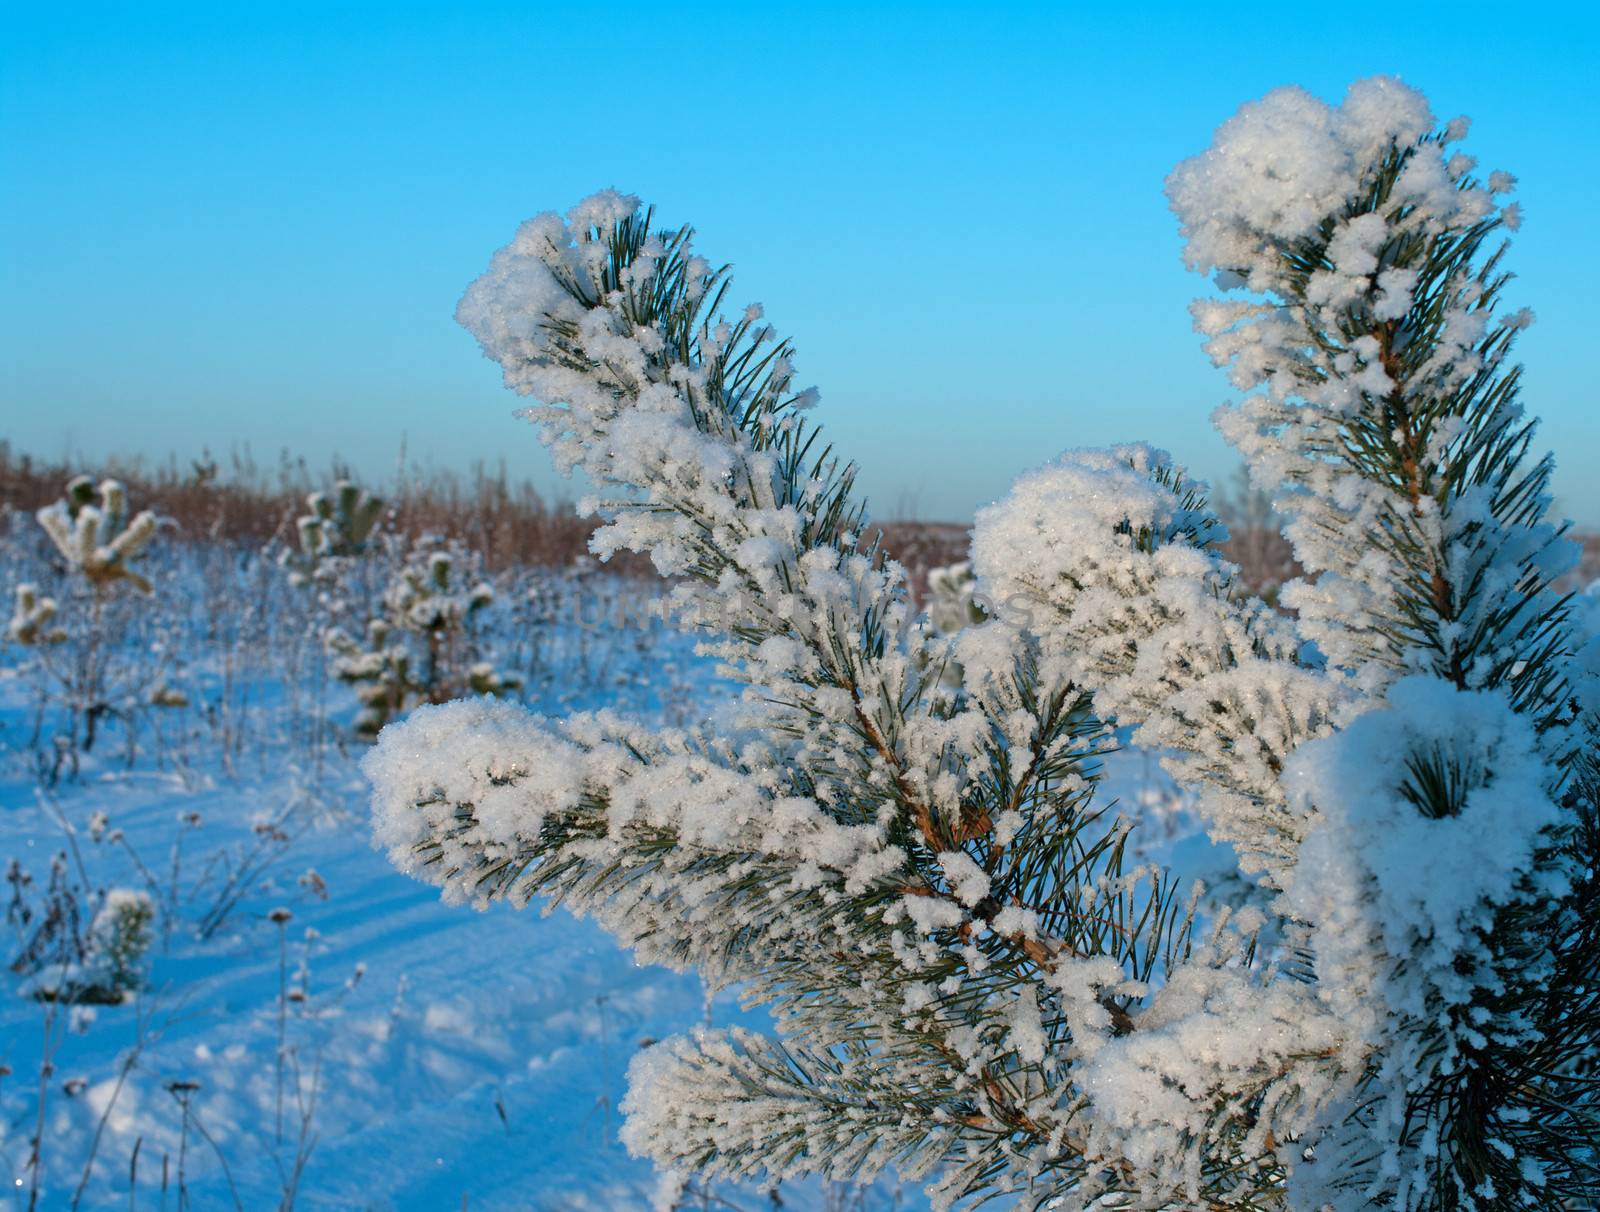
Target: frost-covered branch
{"x":894,"y":841}
{"x":1386,"y":410}
{"x":1450,"y":848}
{"x":892,"y":864}
{"x":1111,"y":556}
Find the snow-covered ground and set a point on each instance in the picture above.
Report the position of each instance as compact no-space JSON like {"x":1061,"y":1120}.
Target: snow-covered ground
{"x":452,"y":1055}
{"x":432,"y":1057}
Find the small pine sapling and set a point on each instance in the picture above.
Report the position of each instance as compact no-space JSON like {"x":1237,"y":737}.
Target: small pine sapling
{"x":98,"y":542}
{"x":380,"y":673}
{"x":338,"y":526}
{"x":952,"y":607}
{"x":119,"y":940}
{"x":32,"y":617}
{"x":420,"y":650}
{"x":63,"y":959}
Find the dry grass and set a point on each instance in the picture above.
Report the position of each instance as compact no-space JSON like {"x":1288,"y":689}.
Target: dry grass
{"x":513,"y":525}
{"x":508,"y":521}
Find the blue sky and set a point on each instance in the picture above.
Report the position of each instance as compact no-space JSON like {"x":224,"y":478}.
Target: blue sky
{"x":249,"y":224}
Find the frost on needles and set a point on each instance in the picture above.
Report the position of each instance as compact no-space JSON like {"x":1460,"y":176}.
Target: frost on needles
{"x":913,"y":870}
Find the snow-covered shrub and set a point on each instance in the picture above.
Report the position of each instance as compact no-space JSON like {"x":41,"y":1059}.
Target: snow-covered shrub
{"x":951,"y":604}
{"x":68,"y":959}
{"x":420,"y":648}
{"x":78,"y":649}
{"x":32,"y":617}
{"x":119,"y":939}
{"x":99,"y":541}
{"x":917,"y":879}
{"x":337,"y":526}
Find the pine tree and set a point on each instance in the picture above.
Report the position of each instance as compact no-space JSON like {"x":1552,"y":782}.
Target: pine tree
{"x":66,"y":959}
{"x":380,"y":674}
{"x":337,"y":527}
{"x":119,"y":939}
{"x":919,"y":879}
{"x":32,"y":617}
{"x":98,"y":542}
{"x":419,"y":649}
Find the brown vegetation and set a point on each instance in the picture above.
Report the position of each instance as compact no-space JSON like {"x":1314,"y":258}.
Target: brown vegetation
{"x":509,"y":522}
{"x":512,"y":524}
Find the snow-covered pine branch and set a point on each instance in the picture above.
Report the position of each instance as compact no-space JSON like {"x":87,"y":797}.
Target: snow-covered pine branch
{"x":1385,"y":412}
{"x":1451,"y":866}
{"x":885,"y":862}
{"x":1112,"y":556}
{"x":910,"y":867}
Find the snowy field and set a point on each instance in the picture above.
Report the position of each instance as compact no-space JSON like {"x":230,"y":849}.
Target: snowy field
{"x":432,"y":1057}
{"x":314,"y":1029}
{"x":1003,"y":952}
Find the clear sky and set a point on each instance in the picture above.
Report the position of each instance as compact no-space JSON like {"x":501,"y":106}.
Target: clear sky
{"x":245,"y":223}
